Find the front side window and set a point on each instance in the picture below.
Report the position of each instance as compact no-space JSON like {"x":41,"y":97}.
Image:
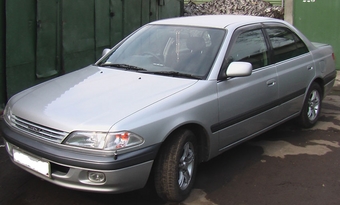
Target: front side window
{"x":251,"y":47}
{"x":285,"y":43}
{"x":162,"y":49}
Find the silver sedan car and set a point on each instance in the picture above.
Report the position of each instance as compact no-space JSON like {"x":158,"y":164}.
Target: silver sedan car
{"x":174,"y":93}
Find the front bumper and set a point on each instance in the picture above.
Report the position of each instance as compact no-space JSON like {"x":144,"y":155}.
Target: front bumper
{"x":70,"y":168}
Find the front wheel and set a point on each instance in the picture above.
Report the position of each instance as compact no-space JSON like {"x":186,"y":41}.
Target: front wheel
{"x":175,"y":168}
{"x":311,"y":107}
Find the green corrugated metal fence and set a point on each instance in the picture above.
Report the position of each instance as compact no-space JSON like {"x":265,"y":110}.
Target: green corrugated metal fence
{"x":47,"y":38}
{"x":2,"y":55}
{"x":276,"y":2}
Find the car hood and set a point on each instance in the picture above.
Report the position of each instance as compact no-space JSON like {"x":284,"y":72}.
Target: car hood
{"x":93,"y":98}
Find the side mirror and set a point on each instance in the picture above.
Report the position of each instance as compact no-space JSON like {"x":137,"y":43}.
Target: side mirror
{"x":239,"y":69}
{"x":105,"y":51}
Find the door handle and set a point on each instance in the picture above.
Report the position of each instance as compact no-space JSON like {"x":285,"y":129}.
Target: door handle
{"x":271,"y":82}
{"x":310,"y":68}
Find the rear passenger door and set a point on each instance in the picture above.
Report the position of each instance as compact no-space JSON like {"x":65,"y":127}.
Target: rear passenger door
{"x":247,"y":105}
{"x":295,"y":68}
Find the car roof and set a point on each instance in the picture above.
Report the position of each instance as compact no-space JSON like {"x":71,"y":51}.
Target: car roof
{"x":214,"y":21}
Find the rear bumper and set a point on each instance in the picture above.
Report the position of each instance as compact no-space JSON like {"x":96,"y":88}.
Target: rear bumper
{"x":71,"y":169}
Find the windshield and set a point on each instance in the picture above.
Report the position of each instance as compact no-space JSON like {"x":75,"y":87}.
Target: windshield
{"x":160,"y":49}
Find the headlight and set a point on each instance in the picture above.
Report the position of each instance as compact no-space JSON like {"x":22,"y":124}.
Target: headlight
{"x":104,"y":140}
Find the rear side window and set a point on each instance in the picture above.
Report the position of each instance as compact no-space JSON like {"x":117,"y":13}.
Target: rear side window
{"x":285,"y":43}
{"x":251,"y":47}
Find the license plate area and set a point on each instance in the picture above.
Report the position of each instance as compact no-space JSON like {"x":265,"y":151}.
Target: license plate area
{"x":31,"y":162}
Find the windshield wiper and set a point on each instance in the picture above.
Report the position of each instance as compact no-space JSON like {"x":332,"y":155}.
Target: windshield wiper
{"x":125,"y":66}
{"x":174,"y":74}
{"x":143,"y":70}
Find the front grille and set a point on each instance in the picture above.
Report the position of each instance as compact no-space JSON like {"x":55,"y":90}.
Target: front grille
{"x":38,"y":130}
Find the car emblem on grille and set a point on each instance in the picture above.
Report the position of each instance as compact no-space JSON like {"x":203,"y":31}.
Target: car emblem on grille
{"x":34,"y":129}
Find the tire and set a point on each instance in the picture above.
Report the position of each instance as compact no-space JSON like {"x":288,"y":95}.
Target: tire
{"x":311,"y":107}
{"x":175,"y":167}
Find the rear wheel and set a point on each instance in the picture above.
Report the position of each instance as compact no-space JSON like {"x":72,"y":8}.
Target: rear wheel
{"x":175,"y":168}
{"x":312,"y":107}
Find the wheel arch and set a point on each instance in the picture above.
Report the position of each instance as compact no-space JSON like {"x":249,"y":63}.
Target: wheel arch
{"x":320,"y":82}
{"x":311,"y":107}
{"x":202,"y":136}
{"x":203,"y":141}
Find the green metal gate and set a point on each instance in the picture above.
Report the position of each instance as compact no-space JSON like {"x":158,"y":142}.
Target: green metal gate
{"x":276,"y":2}
{"x":47,"y":38}
{"x":2,"y":55}
{"x":318,"y":20}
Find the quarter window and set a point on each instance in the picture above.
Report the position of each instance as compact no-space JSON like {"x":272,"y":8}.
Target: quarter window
{"x":285,"y":44}
{"x":250,"y":47}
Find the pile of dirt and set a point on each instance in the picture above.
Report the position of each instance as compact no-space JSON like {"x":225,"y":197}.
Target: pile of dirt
{"x":240,"y":7}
